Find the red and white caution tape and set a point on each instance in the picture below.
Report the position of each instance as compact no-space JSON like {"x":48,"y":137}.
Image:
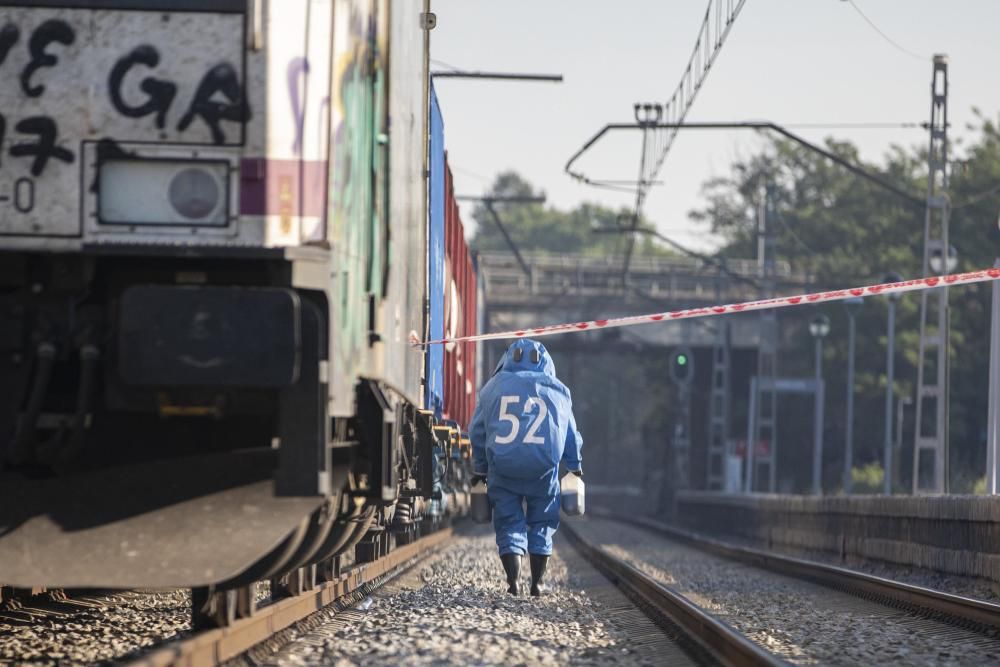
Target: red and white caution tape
{"x":711,"y":311}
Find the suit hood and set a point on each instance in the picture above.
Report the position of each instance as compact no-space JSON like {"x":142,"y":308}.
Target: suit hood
{"x":530,"y":355}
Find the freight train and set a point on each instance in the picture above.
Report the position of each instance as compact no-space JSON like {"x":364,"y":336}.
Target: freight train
{"x":221,"y":223}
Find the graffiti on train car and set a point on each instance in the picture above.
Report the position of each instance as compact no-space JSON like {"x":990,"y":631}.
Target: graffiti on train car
{"x":9,"y":34}
{"x":219,"y":95}
{"x":44,"y":130}
{"x":358,"y":102}
{"x":160,"y":93}
{"x":298,"y":70}
{"x":43,"y":147}
{"x":223,"y":80}
{"x":51,"y":32}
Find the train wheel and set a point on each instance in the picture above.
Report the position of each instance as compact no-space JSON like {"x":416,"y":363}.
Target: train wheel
{"x":213,"y":609}
{"x":328,"y":569}
{"x":246,"y":601}
{"x":296,"y":582}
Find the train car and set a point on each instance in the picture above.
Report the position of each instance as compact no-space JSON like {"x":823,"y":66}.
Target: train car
{"x":452,"y":275}
{"x":451,"y":368}
{"x":213,"y":248}
{"x":459,"y":315}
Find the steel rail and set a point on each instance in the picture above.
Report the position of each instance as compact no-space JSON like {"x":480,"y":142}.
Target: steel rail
{"x":967,"y":612}
{"x":213,"y":647}
{"x":719,"y":639}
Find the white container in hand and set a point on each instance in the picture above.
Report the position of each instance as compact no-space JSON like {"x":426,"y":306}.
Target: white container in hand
{"x":571,"y":488}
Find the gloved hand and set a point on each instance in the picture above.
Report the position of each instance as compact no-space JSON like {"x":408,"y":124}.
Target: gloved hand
{"x":478,"y":479}
{"x":578,"y":473}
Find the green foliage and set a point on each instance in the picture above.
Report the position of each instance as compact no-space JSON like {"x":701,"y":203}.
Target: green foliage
{"x":979,"y":488}
{"x":589,"y":229}
{"x":867,"y":478}
{"x":846,"y":231}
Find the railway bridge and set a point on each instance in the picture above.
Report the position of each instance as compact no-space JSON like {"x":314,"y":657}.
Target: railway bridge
{"x":628,"y":410}
{"x":565,"y":288}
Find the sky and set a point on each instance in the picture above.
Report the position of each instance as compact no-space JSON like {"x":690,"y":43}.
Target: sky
{"x":789,"y":62}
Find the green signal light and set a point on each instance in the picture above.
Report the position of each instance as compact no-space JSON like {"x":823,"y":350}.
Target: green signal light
{"x":681,"y":368}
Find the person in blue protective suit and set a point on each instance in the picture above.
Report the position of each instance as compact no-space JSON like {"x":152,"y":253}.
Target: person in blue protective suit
{"x":522,"y":428}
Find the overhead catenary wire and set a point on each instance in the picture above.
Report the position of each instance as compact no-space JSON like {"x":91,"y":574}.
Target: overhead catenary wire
{"x":909,"y":197}
{"x":884,"y":36}
{"x":488,"y":202}
{"x":863,"y":125}
{"x":791,"y":232}
{"x":602,"y":185}
{"x":631,"y":230}
{"x":973,"y":200}
{"x":469,"y":172}
{"x":717,"y":262}
{"x":442,"y":63}
{"x":720,"y":15}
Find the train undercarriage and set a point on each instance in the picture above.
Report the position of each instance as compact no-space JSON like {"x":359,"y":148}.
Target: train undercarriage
{"x":164,"y":422}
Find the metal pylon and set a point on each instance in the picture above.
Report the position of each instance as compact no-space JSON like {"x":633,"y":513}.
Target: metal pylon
{"x":718,"y":407}
{"x":764,"y":398}
{"x":930,"y":447}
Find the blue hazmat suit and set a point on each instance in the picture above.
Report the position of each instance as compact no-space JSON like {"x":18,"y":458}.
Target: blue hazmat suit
{"x":522,"y":428}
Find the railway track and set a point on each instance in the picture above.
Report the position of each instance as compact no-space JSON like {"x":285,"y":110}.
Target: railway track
{"x":213,"y":647}
{"x":454,"y":609}
{"x":707,"y":608}
{"x":451,"y":607}
{"x":709,"y":639}
{"x":794,"y":610}
{"x":957,"y":610}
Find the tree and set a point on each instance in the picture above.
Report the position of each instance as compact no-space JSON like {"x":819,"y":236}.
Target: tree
{"x":846,"y":231}
{"x":539,"y":228}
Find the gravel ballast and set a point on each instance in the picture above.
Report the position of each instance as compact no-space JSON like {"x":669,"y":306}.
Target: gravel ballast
{"x":91,"y":627}
{"x":971,"y":587}
{"x":802,"y":622}
{"x":454,"y":609}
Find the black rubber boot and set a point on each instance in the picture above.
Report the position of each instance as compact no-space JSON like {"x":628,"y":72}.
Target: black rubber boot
{"x":512,"y":566}
{"x":538,"y":564}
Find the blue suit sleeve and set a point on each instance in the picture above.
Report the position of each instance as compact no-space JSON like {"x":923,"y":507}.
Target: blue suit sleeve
{"x":477,"y":433}
{"x":572,"y":455}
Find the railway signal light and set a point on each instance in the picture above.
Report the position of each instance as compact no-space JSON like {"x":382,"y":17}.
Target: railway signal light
{"x":682,"y":366}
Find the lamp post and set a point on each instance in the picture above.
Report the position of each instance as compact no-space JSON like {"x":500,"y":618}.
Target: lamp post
{"x":853,"y":305}
{"x":992,"y":413}
{"x":939,"y":267}
{"x":819,"y":328}
{"x":901,"y":404}
{"x":940,"y":261}
{"x":890,"y":368}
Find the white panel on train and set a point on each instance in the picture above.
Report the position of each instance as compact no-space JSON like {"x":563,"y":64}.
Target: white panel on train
{"x":76,"y":77}
{"x":288,"y":77}
{"x":407,"y":200}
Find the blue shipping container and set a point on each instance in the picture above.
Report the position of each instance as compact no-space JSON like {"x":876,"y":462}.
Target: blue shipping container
{"x":435,"y":264}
